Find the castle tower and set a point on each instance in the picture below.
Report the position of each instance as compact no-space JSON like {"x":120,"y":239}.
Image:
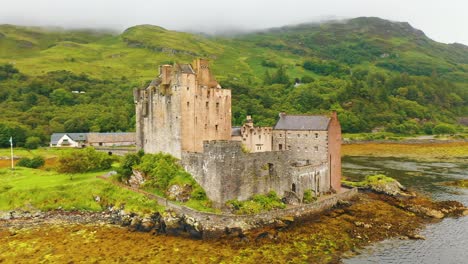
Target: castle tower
{"x":181,"y":108}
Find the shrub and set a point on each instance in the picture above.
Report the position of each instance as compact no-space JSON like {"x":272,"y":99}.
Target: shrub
{"x":163,"y":170}
{"x":308,"y":197}
{"x":126,"y":168}
{"x":32,"y":143}
{"x":444,"y":129}
{"x":257,"y":204}
{"x":35,"y":162}
{"x":84,"y":160}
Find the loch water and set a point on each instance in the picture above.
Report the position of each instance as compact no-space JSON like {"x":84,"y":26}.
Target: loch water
{"x":446,"y":241}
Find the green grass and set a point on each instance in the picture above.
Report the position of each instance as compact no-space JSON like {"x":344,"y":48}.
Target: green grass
{"x":44,"y":152}
{"x":48,"y":190}
{"x":371,"y":180}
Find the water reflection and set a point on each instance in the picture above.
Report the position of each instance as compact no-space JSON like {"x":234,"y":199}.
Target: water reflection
{"x":447,"y":241}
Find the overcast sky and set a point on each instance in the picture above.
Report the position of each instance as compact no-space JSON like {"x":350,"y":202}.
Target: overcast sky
{"x":442,"y":20}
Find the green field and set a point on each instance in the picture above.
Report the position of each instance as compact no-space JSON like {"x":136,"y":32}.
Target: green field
{"x":23,"y":188}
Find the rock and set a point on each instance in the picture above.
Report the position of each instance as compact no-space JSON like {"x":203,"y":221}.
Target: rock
{"x":291,"y":198}
{"x":426,"y":211}
{"x":5,"y":215}
{"x":387,"y":226}
{"x":287,"y":219}
{"x":135,"y":222}
{"x":343,"y":203}
{"x":465,"y":213}
{"x":416,"y":236}
{"x":97,"y":199}
{"x":264,"y":235}
{"x":171,"y":220}
{"x":393,"y":188}
{"x":146,"y":224}
{"x":136,"y":179}
{"x":179,"y":193}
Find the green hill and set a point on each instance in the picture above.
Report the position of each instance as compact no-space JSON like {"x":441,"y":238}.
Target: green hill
{"x":374,"y":72}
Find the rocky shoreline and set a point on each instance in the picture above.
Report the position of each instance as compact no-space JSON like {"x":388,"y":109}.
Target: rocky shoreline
{"x":323,"y":238}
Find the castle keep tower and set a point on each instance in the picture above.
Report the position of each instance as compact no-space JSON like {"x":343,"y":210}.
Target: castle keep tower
{"x":181,"y":108}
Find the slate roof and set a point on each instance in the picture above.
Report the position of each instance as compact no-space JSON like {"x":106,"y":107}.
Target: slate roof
{"x":111,"y":137}
{"x":75,"y":136}
{"x":302,"y":122}
{"x":236,"y":131}
{"x":186,"y":68}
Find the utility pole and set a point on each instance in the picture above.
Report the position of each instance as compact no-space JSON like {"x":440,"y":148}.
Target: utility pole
{"x":11,"y":146}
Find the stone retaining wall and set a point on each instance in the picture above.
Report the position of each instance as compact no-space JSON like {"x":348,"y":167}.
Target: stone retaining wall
{"x":214,"y":225}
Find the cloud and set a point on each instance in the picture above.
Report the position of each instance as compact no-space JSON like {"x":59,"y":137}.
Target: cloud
{"x":441,"y":20}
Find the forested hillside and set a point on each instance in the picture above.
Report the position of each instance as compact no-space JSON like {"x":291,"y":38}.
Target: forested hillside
{"x":375,"y":73}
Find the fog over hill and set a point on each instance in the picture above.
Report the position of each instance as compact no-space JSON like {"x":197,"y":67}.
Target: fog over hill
{"x":443,"y":21}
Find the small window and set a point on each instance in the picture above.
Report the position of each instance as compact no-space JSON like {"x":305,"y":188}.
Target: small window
{"x":316,"y":148}
{"x":280,"y":146}
{"x":259,"y":136}
{"x":206,"y":104}
{"x":216,"y":127}
{"x":305,"y":148}
{"x":280,"y":135}
{"x":100,"y":143}
{"x":298,"y":135}
{"x":289,"y":147}
{"x":188,"y":88}
{"x":217,"y":105}
{"x":316,"y":135}
{"x":188,"y":104}
{"x":206,"y":126}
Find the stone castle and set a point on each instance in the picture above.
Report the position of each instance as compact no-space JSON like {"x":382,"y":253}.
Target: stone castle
{"x":185,"y":112}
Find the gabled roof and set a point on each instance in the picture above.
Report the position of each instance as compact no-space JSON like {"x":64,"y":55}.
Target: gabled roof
{"x":111,"y":137}
{"x":74,"y":136}
{"x":185,"y":68}
{"x":302,"y":122}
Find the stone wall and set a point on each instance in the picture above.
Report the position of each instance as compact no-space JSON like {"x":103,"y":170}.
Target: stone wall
{"x":306,"y":146}
{"x":214,"y":225}
{"x":226,"y":172}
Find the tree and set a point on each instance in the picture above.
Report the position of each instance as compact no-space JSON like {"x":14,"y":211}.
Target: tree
{"x":444,"y":129}
{"x":32,"y":142}
{"x":61,"y":97}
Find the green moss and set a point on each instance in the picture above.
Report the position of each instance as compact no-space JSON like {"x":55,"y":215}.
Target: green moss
{"x":258,"y":203}
{"x":308,"y":197}
{"x":370,"y":180}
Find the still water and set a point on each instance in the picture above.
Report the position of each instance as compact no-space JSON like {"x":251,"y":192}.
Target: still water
{"x":447,"y":241}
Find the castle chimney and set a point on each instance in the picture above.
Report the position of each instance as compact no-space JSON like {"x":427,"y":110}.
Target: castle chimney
{"x":334,"y":115}
{"x":249,"y":121}
{"x":165,"y":73}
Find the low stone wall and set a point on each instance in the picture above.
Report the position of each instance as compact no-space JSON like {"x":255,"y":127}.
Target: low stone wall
{"x":212,"y":225}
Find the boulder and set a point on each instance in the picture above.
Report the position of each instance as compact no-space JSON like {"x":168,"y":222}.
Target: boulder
{"x":136,"y":179}
{"x":426,"y":211}
{"x":393,"y":188}
{"x":180,"y":193}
